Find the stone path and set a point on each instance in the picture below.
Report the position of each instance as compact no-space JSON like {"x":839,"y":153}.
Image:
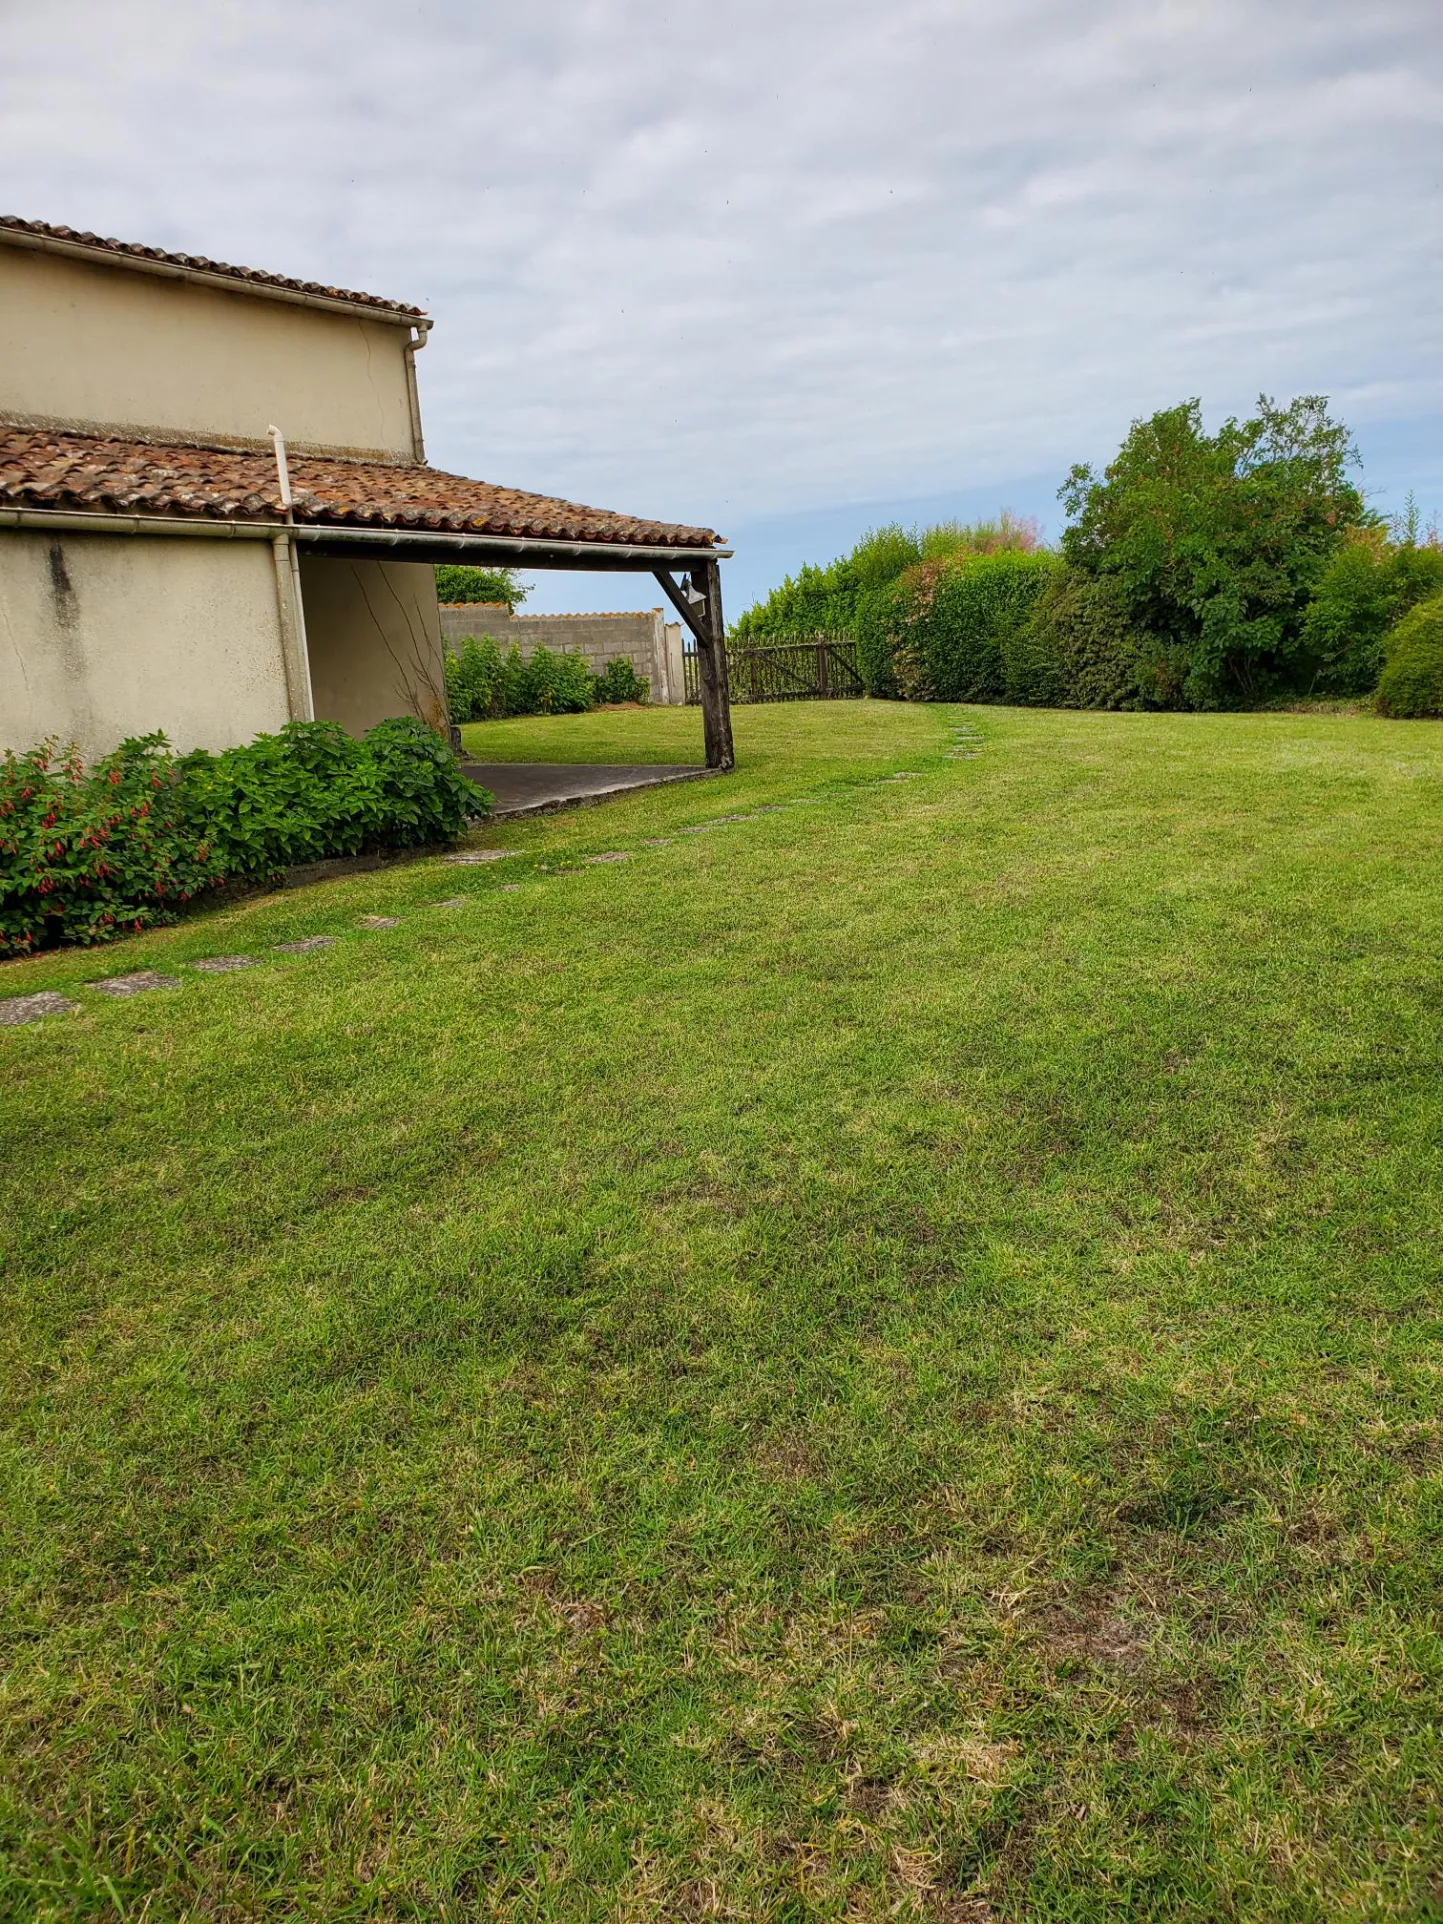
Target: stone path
{"x":29,"y":1008}
{"x":140,"y":983}
{"x":20,"y":1009}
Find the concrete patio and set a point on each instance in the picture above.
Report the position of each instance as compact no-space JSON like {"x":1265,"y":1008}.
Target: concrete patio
{"x":536,"y":788}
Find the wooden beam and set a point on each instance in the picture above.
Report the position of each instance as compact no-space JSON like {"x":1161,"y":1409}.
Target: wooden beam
{"x":686,"y":609}
{"x":704,"y":618}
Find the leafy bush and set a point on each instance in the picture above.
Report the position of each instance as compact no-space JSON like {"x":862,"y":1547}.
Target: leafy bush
{"x":1411,"y":684}
{"x":455,"y":584}
{"x":482,"y":684}
{"x":1368,"y":586}
{"x":850,"y":595}
{"x":475,"y":680}
{"x":85,"y":856}
{"x":879,"y":616}
{"x":1079,"y":649}
{"x":953,"y":623}
{"x":556,"y":684}
{"x":1217,"y":541}
{"x":619,"y":682}
{"x":1008,"y":534}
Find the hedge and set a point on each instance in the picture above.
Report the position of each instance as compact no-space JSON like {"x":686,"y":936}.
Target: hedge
{"x":952,"y":623}
{"x":89,"y":854}
{"x":1411,"y":684}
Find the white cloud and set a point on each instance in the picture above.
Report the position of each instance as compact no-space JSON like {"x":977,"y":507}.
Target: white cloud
{"x":744,"y":260}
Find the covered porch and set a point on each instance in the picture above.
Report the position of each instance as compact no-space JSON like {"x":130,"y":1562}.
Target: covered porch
{"x":217,"y":592}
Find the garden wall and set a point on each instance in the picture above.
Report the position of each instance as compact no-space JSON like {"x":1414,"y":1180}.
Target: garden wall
{"x":651,"y":644}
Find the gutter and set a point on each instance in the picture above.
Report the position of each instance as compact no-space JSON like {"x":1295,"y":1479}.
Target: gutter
{"x":413,"y":347}
{"x":597,"y":554}
{"x":227,"y":283}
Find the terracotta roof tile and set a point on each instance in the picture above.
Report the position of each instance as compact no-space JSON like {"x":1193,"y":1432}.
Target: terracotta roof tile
{"x":123,"y":251}
{"x":43,"y":468}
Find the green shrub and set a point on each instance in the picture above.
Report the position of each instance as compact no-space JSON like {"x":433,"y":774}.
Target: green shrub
{"x":482,"y":684}
{"x":1008,"y":534}
{"x":619,"y":682}
{"x":1079,"y":649}
{"x":1217,"y":541}
{"x":476,"y":680}
{"x":954,"y":622}
{"x":1411,"y":684}
{"x":1366,"y":589}
{"x":455,"y":584}
{"x":88,"y":855}
{"x":878,"y":619}
{"x":556,"y":684}
{"x":844,"y":597}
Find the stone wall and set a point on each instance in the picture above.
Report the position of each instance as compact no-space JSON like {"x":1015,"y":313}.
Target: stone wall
{"x":651,"y":644}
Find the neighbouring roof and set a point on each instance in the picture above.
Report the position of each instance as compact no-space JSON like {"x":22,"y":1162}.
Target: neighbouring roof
{"x":98,"y":474}
{"x":132,"y":253}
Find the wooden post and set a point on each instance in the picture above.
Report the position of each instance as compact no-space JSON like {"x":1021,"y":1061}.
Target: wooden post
{"x":704,"y":617}
{"x":716,"y":710}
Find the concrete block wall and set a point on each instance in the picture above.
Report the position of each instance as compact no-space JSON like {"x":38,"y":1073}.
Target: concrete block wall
{"x":649,"y":642}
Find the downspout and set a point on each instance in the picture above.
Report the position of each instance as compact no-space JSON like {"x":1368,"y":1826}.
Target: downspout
{"x":296,"y":655}
{"x":414,"y":344}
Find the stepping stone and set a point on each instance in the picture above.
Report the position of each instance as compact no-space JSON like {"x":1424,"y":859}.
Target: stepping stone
{"x":378,"y":921}
{"x":30,"y":1008}
{"x":616,"y":855}
{"x":483,"y":855}
{"x":224,"y":964}
{"x":454,"y":902}
{"x":699,"y":828}
{"x":510,"y":888}
{"x":659,"y":841}
{"x":137,"y":984}
{"x":306,"y":944}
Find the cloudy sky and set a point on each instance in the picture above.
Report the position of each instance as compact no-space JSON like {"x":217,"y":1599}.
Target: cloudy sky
{"x":788,"y":267}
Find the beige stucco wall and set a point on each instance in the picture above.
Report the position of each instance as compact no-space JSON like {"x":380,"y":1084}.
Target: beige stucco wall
{"x":374,"y":639}
{"x":104,"y":636}
{"x":82,"y":343}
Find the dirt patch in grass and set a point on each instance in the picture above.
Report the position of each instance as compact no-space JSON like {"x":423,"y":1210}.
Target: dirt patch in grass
{"x":1100,"y":1628}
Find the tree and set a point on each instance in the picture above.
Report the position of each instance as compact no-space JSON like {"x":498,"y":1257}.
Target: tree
{"x":1217,"y":541}
{"x":455,"y":583}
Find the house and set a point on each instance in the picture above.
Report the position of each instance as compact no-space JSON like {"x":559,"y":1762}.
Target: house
{"x":216,"y":513}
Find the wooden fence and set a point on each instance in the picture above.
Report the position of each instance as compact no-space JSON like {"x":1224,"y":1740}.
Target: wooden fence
{"x":822,"y":668}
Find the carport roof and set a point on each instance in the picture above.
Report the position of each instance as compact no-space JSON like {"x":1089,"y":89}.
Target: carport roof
{"x":44,"y":469}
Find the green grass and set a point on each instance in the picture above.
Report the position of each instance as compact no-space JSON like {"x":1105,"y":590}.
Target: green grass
{"x":880,"y":1361}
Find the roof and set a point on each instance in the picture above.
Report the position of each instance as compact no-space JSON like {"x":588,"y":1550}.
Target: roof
{"x":98,"y":474}
{"x":133,"y":254}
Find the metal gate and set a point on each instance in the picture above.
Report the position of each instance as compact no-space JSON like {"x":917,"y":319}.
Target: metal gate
{"x":822,"y":668}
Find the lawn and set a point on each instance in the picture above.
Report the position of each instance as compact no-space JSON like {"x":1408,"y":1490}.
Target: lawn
{"x":878,"y":1361}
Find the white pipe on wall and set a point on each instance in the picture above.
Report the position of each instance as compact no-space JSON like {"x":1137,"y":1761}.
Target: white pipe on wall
{"x":302,"y":700}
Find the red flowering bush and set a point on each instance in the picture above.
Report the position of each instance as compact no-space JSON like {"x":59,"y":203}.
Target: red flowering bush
{"x":86,"y":855}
